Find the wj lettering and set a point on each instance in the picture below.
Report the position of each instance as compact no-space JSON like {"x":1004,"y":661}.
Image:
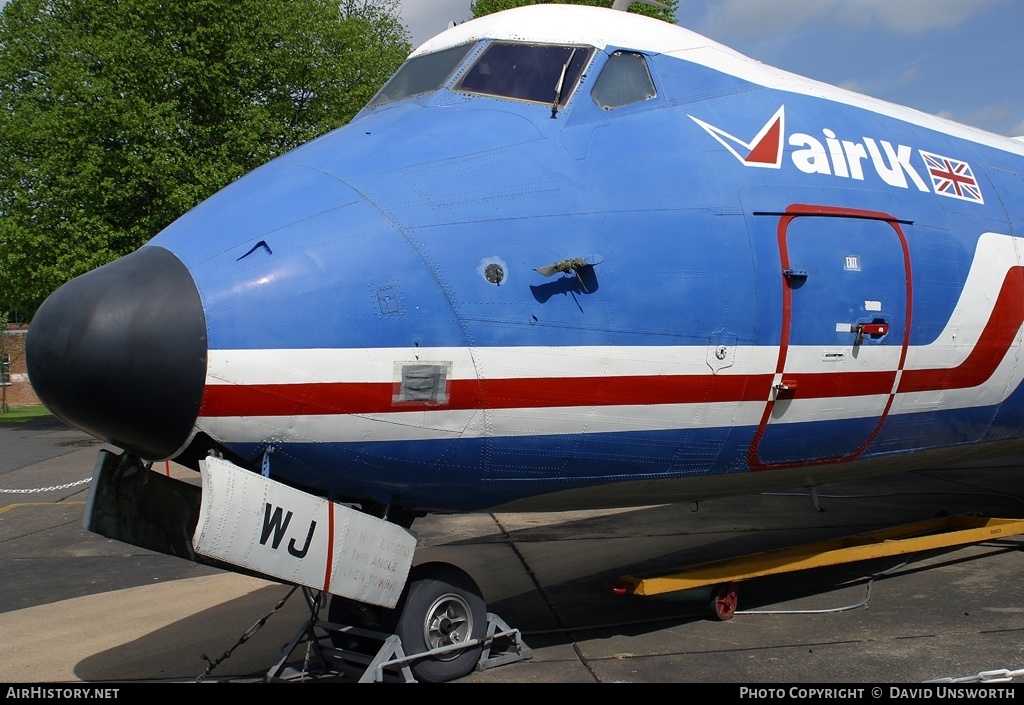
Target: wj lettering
{"x":275,"y":525}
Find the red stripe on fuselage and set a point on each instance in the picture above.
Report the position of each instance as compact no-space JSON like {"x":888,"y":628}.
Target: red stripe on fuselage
{"x":376,"y":397}
{"x":996,"y":339}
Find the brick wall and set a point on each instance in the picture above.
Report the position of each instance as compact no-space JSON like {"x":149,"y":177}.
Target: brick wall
{"x":19,"y":392}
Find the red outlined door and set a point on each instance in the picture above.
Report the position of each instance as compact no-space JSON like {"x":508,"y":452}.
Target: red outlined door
{"x":846,"y":312}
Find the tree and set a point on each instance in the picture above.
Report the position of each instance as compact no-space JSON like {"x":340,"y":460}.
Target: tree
{"x":486,"y":7}
{"x":117,"y":117}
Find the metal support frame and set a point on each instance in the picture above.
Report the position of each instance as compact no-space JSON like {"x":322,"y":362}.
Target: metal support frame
{"x":502,"y":645}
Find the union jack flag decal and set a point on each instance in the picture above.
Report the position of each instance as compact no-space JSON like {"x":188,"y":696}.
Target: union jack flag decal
{"x":953,"y":178}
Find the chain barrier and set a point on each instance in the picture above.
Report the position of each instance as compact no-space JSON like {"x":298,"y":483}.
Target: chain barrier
{"x":48,"y":489}
{"x":1001,"y":675}
{"x":213,"y":663}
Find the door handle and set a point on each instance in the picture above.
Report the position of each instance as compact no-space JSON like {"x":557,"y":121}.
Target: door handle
{"x":862,"y":329}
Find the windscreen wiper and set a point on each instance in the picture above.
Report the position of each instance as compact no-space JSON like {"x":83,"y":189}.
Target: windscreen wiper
{"x":561,"y":84}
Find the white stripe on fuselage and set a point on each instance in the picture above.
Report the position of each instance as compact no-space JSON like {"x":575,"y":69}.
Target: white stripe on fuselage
{"x":994,"y":257}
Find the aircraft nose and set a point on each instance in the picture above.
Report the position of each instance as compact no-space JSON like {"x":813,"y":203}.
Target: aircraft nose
{"x":120,"y":352}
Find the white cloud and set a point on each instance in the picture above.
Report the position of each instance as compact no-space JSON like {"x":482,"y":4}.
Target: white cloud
{"x":911,"y":16}
{"x":989,"y":114}
{"x":749,"y":18}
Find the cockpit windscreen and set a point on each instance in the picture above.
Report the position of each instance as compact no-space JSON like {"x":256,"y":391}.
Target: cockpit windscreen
{"x":540,"y":73}
{"x":421,"y":74}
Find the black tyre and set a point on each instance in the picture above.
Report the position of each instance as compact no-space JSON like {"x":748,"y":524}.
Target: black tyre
{"x":441,"y":606}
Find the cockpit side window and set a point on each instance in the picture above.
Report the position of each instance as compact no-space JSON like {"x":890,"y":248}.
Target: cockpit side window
{"x":421,"y":74}
{"x":624,"y":81}
{"x":539,"y":73}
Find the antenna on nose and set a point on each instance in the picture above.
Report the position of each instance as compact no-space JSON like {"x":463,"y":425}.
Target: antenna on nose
{"x":624,"y":5}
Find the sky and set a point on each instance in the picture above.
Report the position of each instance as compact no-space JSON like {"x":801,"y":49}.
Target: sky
{"x":960,"y":59}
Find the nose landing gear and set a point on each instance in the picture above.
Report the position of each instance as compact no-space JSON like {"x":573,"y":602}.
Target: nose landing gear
{"x":439,"y":631}
{"x":441,"y":607}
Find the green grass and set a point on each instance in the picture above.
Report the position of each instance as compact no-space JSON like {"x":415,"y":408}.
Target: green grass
{"x":17,"y":414}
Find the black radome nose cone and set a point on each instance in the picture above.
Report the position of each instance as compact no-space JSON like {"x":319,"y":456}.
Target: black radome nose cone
{"x":120,"y":352}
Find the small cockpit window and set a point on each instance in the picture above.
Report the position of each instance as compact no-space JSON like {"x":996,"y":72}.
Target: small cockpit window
{"x":540,"y":73}
{"x":421,"y":74}
{"x":625,"y":80}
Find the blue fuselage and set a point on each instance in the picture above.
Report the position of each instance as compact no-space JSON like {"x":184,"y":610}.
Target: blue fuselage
{"x":821,"y":294}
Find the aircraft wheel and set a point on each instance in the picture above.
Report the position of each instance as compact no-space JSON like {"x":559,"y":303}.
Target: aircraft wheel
{"x":723,"y":603}
{"x":441,"y":606}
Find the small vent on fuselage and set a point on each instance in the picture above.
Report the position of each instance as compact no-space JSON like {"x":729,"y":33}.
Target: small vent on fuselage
{"x":422,"y":383}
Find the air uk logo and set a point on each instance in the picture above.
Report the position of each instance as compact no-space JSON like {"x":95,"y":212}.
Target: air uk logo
{"x":857,"y":159}
{"x":765,"y":150}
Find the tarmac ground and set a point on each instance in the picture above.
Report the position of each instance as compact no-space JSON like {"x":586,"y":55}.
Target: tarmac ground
{"x":78,"y":607}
